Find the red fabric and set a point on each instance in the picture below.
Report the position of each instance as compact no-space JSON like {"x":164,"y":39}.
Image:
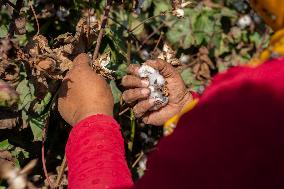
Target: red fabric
{"x":95,"y":155}
{"x":232,"y":139}
{"x":195,"y":95}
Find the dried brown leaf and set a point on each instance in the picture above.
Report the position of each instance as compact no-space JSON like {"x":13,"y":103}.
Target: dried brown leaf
{"x":20,"y":25}
{"x":9,"y":71}
{"x":169,"y":55}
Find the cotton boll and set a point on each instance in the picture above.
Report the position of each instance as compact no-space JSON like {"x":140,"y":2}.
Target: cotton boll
{"x":62,"y":13}
{"x":184,"y":59}
{"x":156,"y":84}
{"x":244,"y":21}
{"x":179,"y":13}
{"x":145,"y":71}
{"x":156,"y":79}
{"x":144,"y":54}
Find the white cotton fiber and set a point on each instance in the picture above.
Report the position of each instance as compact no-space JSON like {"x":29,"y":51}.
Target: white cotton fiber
{"x":156,"y":84}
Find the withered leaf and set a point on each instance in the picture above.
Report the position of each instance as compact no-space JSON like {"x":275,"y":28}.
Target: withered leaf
{"x":20,"y":24}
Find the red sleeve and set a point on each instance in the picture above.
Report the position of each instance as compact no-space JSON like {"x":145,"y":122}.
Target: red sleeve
{"x":95,"y":155}
{"x":232,"y":139}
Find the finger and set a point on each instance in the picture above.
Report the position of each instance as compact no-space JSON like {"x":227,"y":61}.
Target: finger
{"x":142,"y":107}
{"x":133,"y":69}
{"x":134,"y":82}
{"x":132,"y":95}
{"x":162,"y":66}
{"x":82,"y":60}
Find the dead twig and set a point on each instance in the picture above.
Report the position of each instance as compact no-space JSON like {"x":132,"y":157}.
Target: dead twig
{"x":129,"y":46}
{"x":37,"y":23}
{"x":156,"y":31}
{"x":126,"y":29}
{"x":123,"y":111}
{"x":61,"y":172}
{"x":102,"y":30}
{"x":158,"y":42}
{"x":88,"y":23}
{"x":43,"y":158}
{"x":9,"y":3}
{"x":146,"y":20}
{"x":138,"y":159}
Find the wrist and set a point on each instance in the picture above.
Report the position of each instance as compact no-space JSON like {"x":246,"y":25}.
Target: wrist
{"x":79,"y":116}
{"x":188,"y":98}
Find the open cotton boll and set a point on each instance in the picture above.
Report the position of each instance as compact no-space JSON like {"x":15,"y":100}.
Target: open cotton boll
{"x":154,"y":77}
{"x":145,"y":71}
{"x":156,"y":84}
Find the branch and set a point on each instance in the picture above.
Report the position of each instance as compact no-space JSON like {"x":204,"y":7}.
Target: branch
{"x":9,"y":3}
{"x":43,"y":157}
{"x":61,"y":172}
{"x":37,"y":23}
{"x":102,"y":30}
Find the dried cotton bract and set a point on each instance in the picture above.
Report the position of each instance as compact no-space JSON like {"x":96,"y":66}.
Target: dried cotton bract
{"x":178,"y":7}
{"x":100,"y":65}
{"x":156,"y":85}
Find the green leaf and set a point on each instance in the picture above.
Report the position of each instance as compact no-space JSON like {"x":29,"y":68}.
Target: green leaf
{"x":146,"y":4}
{"x":8,"y":96}
{"x":187,"y":76}
{"x":256,"y":38}
{"x":25,"y":89}
{"x":229,"y":13}
{"x":37,"y":124}
{"x":190,"y":80}
{"x":221,"y":46}
{"x":115,"y":92}
{"x":29,"y":27}
{"x":20,"y":155}
{"x":37,"y":118}
{"x":161,"y":6}
{"x":180,"y":34}
{"x":5,"y":145}
{"x":3,"y":31}
{"x":40,"y":106}
{"x":121,"y":71}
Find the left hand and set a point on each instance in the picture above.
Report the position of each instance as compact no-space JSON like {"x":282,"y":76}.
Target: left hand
{"x":138,"y":92}
{"x":84,"y":93}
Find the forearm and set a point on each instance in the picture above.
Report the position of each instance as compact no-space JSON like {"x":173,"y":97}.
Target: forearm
{"x":95,"y":155}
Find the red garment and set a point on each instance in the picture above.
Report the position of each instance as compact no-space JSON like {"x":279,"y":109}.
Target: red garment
{"x":95,"y":155}
{"x":232,"y":139}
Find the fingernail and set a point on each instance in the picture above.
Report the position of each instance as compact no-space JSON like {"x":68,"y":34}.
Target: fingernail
{"x":145,"y":83}
{"x":145,"y":92}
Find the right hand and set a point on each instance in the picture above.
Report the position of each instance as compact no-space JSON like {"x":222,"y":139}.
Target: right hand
{"x":138,"y":91}
{"x":84,"y":93}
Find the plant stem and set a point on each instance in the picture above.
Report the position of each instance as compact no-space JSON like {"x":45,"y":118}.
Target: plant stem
{"x":9,"y":3}
{"x":61,"y":172}
{"x":132,"y":134}
{"x":138,"y":159}
{"x":129,"y":41}
{"x":102,"y":29}
{"x":147,"y":19}
{"x":37,"y":23}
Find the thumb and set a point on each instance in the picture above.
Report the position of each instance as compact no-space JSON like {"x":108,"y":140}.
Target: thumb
{"x":82,"y":60}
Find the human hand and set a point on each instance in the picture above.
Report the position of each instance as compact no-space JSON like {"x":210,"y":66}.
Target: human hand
{"x":84,"y":93}
{"x":139,"y":91}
